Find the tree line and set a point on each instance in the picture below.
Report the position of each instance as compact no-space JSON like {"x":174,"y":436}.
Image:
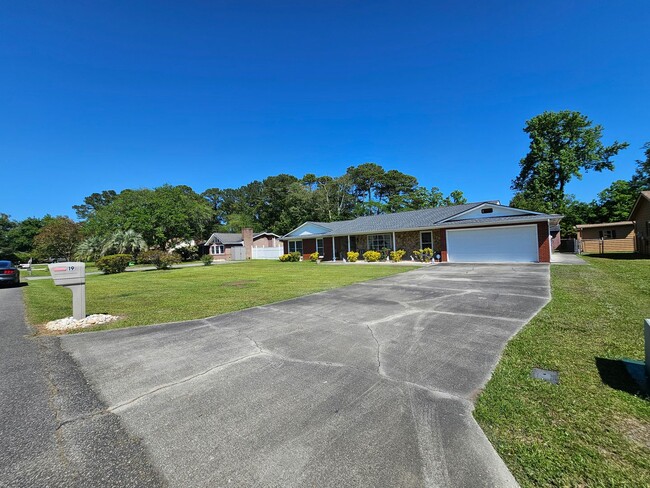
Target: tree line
{"x":168,"y":216}
{"x":563,"y":145}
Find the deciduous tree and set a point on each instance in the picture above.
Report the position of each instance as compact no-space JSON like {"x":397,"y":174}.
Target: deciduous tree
{"x":563,"y":145}
{"x":58,"y":239}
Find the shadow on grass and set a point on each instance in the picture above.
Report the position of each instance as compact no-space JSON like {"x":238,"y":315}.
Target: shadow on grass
{"x":624,"y":256}
{"x":623,"y":375}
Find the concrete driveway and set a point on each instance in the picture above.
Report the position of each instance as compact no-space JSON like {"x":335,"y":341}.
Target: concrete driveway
{"x":368,"y":385}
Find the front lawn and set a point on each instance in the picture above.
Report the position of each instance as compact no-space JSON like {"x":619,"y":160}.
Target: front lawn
{"x":588,"y":430}
{"x":150,"y":297}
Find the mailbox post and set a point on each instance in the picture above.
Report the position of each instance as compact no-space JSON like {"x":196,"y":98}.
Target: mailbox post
{"x":72,"y":275}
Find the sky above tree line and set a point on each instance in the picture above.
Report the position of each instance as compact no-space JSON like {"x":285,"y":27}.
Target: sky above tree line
{"x":114,"y":95}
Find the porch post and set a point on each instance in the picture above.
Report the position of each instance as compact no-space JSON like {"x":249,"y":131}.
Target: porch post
{"x":349,"y":244}
{"x":394,"y":243}
{"x":333,"y":249}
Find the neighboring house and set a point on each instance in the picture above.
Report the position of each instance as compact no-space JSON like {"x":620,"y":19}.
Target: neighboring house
{"x":607,"y":237}
{"x":641,"y":216}
{"x":245,"y":245}
{"x":473,"y":232}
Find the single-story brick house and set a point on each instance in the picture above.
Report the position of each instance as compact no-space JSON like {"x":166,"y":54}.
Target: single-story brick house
{"x":221,"y":244}
{"x":606,"y":237}
{"x":640,"y":215}
{"x":472,"y":232}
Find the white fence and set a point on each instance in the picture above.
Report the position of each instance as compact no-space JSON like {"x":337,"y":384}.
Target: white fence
{"x":267,"y":252}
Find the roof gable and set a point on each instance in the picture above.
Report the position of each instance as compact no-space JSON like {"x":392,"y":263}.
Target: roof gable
{"x":309,"y":229}
{"x":644,"y":198}
{"x":489,"y":210}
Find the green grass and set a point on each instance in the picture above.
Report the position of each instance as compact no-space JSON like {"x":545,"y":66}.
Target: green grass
{"x":581,"y":432}
{"x":150,"y":297}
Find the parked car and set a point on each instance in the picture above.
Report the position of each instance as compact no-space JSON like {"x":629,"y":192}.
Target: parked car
{"x":9,"y":274}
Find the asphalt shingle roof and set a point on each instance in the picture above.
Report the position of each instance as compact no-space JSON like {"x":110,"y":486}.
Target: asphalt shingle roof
{"x":414,"y":219}
{"x":226,"y":238}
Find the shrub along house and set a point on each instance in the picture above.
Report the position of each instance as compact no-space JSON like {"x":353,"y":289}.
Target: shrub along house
{"x":473,"y":232}
{"x":245,"y":245}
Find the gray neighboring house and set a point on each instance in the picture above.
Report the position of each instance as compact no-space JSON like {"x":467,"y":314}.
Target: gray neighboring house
{"x":223,"y":246}
{"x":471,"y":233}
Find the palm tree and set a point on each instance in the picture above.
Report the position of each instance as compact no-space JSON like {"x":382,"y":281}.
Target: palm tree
{"x":91,"y":248}
{"x":125,"y":241}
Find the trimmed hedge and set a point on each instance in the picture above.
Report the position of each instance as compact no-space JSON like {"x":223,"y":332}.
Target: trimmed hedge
{"x":396,"y":256}
{"x":113,"y":263}
{"x":292,"y":257}
{"x":371,"y":256}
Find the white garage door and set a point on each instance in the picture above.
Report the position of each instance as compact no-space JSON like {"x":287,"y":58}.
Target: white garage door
{"x":513,"y":244}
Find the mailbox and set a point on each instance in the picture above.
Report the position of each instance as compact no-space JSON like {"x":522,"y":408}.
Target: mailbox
{"x":73,"y":276}
{"x":68,"y":273}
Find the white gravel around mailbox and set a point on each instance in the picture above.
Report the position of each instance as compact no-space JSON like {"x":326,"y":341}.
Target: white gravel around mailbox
{"x":70,"y":323}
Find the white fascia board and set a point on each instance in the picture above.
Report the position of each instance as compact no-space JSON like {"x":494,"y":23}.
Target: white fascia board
{"x":210,"y":240}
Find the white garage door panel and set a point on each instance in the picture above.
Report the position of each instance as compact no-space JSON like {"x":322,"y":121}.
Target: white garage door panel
{"x":514,"y":244}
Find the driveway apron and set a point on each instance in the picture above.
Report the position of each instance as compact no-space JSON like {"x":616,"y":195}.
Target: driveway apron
{"x":54,"y":431}
{"x":368,"y":385}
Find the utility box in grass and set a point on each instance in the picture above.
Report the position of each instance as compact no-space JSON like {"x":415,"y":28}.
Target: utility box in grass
{"x":72,"y":275}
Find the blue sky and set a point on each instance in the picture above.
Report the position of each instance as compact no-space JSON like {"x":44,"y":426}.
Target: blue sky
{"x":99,"y":95}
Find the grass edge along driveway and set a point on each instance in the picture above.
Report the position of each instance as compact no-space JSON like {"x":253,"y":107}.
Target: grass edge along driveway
{"x":161,"y":296}
{"x":581,"y":432}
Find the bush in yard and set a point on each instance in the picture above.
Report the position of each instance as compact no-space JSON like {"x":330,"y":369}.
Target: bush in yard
{"x":206,"y":260}
{"x":353,"y":256}
{"x":371,"y":256}
{"x":188,"y":253}
{"x":113,"y":263}
{"x":292,"y":257}
{"x":396,"y":256}
{"x":313,"y":257}
{"x":424,"y":255}
{"x":160,"y":259}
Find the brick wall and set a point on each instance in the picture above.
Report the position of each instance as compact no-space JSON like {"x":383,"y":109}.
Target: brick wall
{"x":409,"y":241}
{"x":543,"y":239}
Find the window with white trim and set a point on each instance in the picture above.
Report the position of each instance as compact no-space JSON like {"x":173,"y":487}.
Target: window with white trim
{"x":216,"y":249}
{"x":295,"y":246}
{"x":377,"y":242}
{"x":320,"y":248}
{"x":426,"y":240}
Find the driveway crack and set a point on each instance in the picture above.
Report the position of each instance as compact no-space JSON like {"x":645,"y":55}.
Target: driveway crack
{"x":372,"y":333}
{"x":121,"y":406}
